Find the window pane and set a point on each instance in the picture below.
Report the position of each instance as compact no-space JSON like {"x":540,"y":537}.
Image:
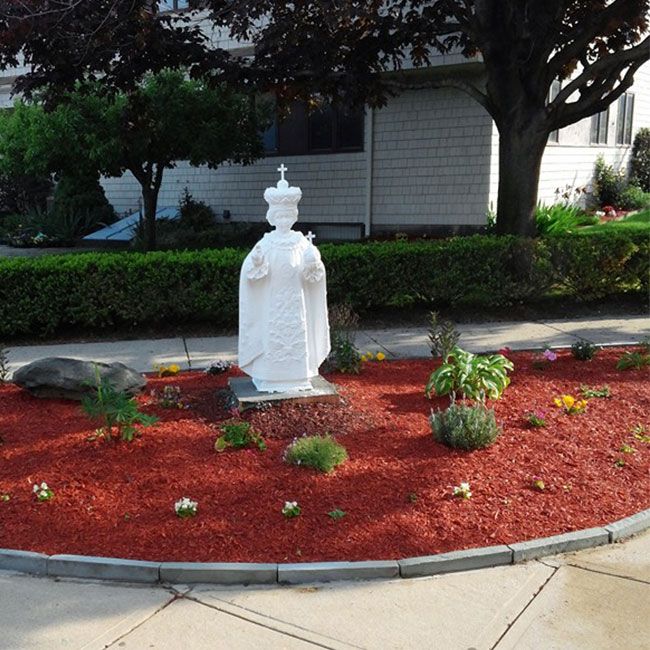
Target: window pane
{"x":292,"y":131}
{"x":620,"y":120}
{"x":350,"y":128}
{"x":594,"y":129}
{"x":629,"y":114}
{"x":602,"y":127}
{"x":320,"y":129}
{"x":270,"y":137}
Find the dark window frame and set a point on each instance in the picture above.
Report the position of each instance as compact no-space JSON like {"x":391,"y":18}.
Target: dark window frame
{"x":294,"y":135}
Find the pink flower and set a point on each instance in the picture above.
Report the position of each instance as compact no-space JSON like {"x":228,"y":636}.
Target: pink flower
{"x":505,"y":351}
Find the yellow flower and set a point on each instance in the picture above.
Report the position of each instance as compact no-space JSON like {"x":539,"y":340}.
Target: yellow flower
{"x":568,"y":401}
{"x":370,"y":356}
{"x":558,"y":402}
{"x":174,"y":369}
{"x":363,"y":357}
{"x":380,"y":356}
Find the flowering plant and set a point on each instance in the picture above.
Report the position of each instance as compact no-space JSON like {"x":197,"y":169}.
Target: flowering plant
{"x":185,"y":507}
{"x":541,"y":361}
{"x":570,"y":405}
{"x":538,"y":484}
{"x":42,"y":491}
{"x":218,"y":367}
{"x":371,"y":356}
{"x":291,"y":509}
{"x":463,"y":491}
{"x":170,"y":398}
{"x":536,"y":419}
{"x":167,"y":371}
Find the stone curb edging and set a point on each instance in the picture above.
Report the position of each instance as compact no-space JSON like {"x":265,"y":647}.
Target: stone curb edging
{"x":240,"y":573}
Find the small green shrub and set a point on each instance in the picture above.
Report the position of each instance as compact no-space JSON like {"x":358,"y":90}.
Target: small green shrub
{"x":591,"y":393}
{"x":195,"y":215}
{"x":608,"y":183}
{"x":344,"y":355}
{"x":583,"y":350}
{"x":443,"y":336}
{"x":465,"y":427}
{"x":320,"y":452}
{"x":640,"y":161}
{"x":118,"y":411}
{"x":80,"y":206}
{"x":238,"y":434}
{"x":470,"y":375}
{"x":634,"y":198}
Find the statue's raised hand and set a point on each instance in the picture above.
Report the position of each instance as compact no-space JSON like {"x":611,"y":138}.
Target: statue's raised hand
{"x":260,"y":267}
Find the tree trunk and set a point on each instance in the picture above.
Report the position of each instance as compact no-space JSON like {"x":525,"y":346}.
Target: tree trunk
{"x":520,"y":160}
{"x":150,"y":201}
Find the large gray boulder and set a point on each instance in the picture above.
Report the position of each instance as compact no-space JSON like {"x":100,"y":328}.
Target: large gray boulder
{"x":62,"y":378}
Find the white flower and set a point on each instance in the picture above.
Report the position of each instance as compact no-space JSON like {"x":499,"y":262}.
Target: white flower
{"x":463,"y":490}
{"x":36,"y":488}
{"x":44,"y":486}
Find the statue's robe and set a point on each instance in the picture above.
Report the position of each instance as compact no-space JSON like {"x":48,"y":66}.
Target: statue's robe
{"x":283,"y":325}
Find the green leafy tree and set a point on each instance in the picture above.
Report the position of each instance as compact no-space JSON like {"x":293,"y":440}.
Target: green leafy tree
{"x":145,"y":131}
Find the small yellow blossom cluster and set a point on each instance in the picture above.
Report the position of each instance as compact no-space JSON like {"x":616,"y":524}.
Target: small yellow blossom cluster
{"x":369,"y":356}
{"x":167,"y":371}
{"x":570,"y":405}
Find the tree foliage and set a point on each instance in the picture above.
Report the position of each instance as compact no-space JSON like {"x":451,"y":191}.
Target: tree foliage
{"x":145,"y":131}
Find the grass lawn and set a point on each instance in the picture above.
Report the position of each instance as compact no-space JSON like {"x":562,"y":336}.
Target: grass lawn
{"x":637,"y":222}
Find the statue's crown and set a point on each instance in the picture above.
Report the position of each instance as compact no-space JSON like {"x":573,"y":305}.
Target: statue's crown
{"x":282,"y":195}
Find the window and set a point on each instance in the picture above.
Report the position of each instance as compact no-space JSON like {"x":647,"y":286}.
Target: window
{"x":599,"y":127}
{"x":323,"y":130}
{"x":554,"y":91}
{"x":624,"y":121}
{"x":179,"y":5}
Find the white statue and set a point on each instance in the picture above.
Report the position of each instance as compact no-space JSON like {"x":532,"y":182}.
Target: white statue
{"x":283,"y":327}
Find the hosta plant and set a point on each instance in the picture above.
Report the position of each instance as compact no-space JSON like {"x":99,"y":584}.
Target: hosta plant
{"x":470,"y":375}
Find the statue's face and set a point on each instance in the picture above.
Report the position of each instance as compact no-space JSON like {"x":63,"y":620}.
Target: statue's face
{"x":283,"y":220}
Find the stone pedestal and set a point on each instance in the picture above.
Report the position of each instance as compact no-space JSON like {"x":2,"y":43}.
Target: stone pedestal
{"x":248,"y":396}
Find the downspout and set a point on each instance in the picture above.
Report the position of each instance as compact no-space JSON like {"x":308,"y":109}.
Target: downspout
{"x":369,"y":147}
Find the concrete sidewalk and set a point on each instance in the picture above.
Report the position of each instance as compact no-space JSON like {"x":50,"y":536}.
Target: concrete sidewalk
{"x":591,"y":599}
{"x":143,"y":355}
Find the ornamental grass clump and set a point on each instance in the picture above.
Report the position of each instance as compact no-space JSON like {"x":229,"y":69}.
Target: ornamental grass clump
{"x":465,"y":427}
{"x":238,"y":434}
{"x":320,"y":452}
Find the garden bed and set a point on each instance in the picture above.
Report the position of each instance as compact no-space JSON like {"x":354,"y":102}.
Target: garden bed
{"x":117,"y":499}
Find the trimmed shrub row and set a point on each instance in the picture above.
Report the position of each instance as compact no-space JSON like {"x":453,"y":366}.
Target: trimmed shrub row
{"x":97,"y":291}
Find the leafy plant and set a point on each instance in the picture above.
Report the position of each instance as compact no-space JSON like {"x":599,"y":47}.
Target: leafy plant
{"x":117,"y":410}
{"x":238,"y":434}
{"x":473,"y":376}
{"x":4,"y":364}
{"x":634,"y":198}
{"x":462,"y":426}
{"x":185,"y":508}
{"x":609,"y":184}
{"x":583,"y":350}
{"x":640,"y":160}
{"x":336,"y":514}
{"x":195,"y":215}
{"x":344,"y":355}
{"x":291,"y":509}
{"x":588,"y":392}
{"x":320,"y":452}
{"x":170,"y":398}
{"x":442,"y":336}
{"x":561,"y":218}
{"x":633,"y":360}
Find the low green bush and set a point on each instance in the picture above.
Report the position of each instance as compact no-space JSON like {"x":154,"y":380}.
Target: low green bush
{"x":96,"y":291}
{"x":640,"y":160}
{"x":320,"y":452}
{"x":634,"y":198}
{"x":465,"y":427}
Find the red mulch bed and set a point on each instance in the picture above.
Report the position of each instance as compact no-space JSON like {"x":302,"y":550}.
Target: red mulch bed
{"x":117,"y":499}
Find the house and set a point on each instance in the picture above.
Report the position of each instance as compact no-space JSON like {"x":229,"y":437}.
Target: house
{"x":428,"y":161}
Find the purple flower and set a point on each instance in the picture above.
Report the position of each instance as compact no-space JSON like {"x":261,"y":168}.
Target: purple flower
{"x":549,"y":355}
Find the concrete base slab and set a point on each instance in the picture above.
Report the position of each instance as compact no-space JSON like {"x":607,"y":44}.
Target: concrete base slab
{"x":248,"y":396}
{"x":43,"y":613}
{"x":462,"y":610}
{"x":580,"y":609}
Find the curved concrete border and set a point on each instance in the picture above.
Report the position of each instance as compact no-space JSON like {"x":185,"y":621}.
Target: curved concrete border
{"x":104,"y":568}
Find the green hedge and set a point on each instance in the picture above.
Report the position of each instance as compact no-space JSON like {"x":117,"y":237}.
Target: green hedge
{"x":98,"y":291}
